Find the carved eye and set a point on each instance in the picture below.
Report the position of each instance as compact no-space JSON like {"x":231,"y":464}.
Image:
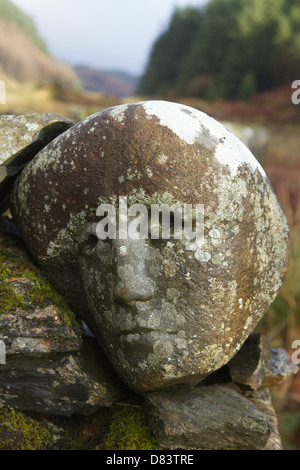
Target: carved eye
{"x":87,"y":243}
{"x":87,"y":240}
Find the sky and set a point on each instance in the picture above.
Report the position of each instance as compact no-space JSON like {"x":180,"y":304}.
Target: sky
{"x":105,"y":34}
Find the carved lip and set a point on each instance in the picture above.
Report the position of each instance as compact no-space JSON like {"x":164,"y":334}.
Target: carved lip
{"x":142,"y":330}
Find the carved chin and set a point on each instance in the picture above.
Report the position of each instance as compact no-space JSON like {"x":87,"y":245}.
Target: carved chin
{"x":151,"y":360}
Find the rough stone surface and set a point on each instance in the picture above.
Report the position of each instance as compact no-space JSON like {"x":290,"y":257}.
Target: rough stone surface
{"x":256,"y":366}
{"x":212,"y":417}
{"x":248,"y":367}
{"x":262,"y":399}
{"x":281,"y":368}
{"x":21,"y":138}
{"x":164,"y":315}
{"x":63,"y":384}
{"x":38,"y":331}
{"x":73,"y":379}
{"x":34,"y":319}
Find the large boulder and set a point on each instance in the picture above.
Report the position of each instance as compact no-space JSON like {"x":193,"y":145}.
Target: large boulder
{"x":163,"y":314}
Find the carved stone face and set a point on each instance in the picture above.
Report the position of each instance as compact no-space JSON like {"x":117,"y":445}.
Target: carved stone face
{"x":147,"y":306}
{"x":164,"y":315}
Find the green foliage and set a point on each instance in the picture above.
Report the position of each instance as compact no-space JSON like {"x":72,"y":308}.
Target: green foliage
{"x":12,"y":14}
{"x":248,"y":86}
{"x":169,"y":51}
{"x":231,"y":49}
{"x":289,"y":426}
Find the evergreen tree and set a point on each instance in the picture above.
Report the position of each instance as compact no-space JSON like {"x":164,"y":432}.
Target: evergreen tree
{"x":230,"y":48}
{"x":169,"y":51}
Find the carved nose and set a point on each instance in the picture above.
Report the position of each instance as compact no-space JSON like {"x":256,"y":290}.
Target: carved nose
{"x":134,"y":288}
{"x":132,"y":280}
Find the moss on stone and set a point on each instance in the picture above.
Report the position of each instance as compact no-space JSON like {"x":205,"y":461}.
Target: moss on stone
{"x":10,"y":300}
{"x":129,"y":430}
{"x":115,"y":428}
{"x":21,"y":432}
{"x":16,"y":267}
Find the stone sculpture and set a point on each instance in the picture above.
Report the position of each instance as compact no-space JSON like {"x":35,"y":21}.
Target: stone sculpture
{"x":168,"y":314}
{"x":164,"y":315}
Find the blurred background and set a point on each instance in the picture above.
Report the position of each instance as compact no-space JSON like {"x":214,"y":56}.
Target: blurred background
{"x":237,"y":60}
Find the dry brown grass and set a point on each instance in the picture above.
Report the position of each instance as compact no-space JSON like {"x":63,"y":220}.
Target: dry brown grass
{"x":32,"y":97}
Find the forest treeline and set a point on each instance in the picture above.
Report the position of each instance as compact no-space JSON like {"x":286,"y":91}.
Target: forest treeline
{"x":228,"y":49}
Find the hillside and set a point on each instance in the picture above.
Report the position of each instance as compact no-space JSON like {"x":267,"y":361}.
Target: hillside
{"x":23,"y":53}
{"x":118,"y":84}
{"x":10,"y":13}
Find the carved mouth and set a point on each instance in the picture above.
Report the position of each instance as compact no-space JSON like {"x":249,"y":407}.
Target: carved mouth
{"x":138,"y":318}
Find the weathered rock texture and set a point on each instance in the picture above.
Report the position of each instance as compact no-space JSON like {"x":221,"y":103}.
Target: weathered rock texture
{"x":256,"y":366}
{"x":21,"y":138}
{"x":281,"y":368}
{"x":231,"y":409}
{"x":208,"y":417}
{"x":163,"y":315}
{"x":61,"y":385}
{"x":263,"y":401}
